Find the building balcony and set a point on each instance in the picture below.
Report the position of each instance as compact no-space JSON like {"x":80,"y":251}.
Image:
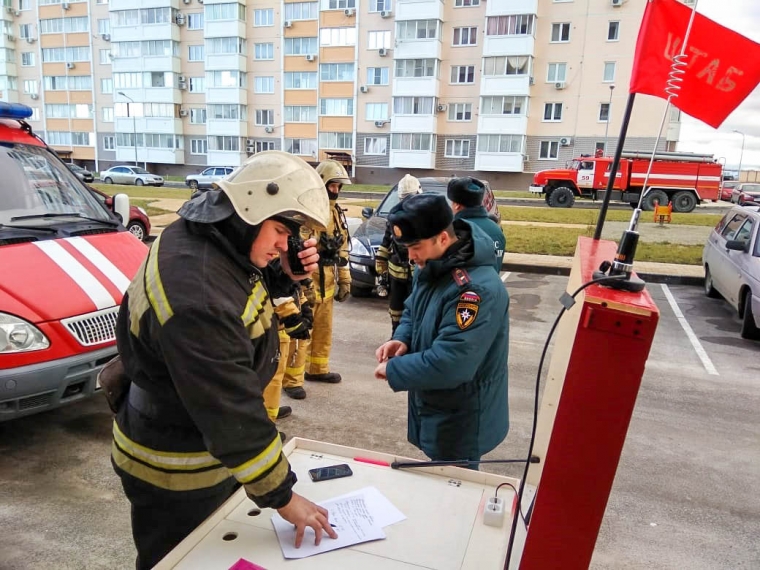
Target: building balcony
{"x":126,"y":154}
{"x":508,"y":45}
{"x":226,"y":62}
{"x":414,"y":123}
{"x":417,"y":49}
{"x":225,"y":158}
{"x":506,"y":124}
{"x":412,"y":159}
{"x":226,"y":128}
{"x":505,"y":85}
{"x":415,"y":86}
{"x":148,"y":125}
{"x":115,"y":5}
{"x":502,"y":7}
{"x":226,"y":95}
{"x":499,"y":161}
{"x":147,"y":63}
{"x":9,"y":95}
{"x":418,"y":10}
{"x":146,"y":32}
{"x":150,"y":95}
{"x":8,"y":68}
{"x":224,"y":29}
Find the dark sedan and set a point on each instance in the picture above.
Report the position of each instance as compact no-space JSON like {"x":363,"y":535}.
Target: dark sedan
{"x":82,"y":173}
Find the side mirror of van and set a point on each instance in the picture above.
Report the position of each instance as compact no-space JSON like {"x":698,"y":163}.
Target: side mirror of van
{"x":367,"y":212}
{"x":737,"y":245}
{"x":121,"y":207}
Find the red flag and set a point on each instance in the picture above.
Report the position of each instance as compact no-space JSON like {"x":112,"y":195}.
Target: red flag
{"x":722,"y":67}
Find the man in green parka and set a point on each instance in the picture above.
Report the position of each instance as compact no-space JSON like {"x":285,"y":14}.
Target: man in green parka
{"x":466,"y":196}
{"x":450,"y":350}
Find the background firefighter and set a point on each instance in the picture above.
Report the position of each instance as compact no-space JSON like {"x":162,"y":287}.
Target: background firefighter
{"x":333,"y":279}
{"x":392,"y":260}
{"x":295,"y":361}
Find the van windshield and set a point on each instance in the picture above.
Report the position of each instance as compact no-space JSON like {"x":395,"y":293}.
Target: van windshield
{"x":36,"y":184}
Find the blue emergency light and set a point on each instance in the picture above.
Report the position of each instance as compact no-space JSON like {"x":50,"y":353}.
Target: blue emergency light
{"x":16,"y":111}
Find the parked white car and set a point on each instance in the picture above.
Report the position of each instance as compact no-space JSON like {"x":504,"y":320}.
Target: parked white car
{"x":731,"y":259}
{"x":207,"y":178}
{"x":130,"y":175}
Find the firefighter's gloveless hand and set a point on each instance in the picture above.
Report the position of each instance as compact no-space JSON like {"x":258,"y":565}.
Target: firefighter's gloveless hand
{"x":302,"y":513}
{"x":309,"y":258}
{"x":390,"y":349}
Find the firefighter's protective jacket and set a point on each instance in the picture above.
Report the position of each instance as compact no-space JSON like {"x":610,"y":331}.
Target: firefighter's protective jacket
{"x":333,"y":259}
{"x":198,"y":337}
{"x":392,"y":258}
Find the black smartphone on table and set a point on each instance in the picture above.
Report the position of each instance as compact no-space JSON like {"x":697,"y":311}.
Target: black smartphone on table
{"x":331,"y":472}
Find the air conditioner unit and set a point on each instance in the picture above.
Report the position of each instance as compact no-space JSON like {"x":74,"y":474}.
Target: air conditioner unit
{"x":565,"y":141}
{"x":559,"y":85}
{"x":250,"y":148}
{"x":10,"y":38}
{"x":269,"y":129}
{"x":617,"y":3}
{"x":526,"y":158}
{"x":382,"y":52}
{"x":106,"y":37}
{"x":65,"y":6}
{"x":70,"y":65}
{"x":34,"y":96}
{"x":186,"y":1}
{"x":349,"y":12}
{"x":287,"y":24}
{"x":386,"y":14}
{"x":380,"y":123}
{"x":182,"y":85}
{"x":184,"y":112}
{"x":363,"y":88}
{"x":311,"y":57}
{"x":31,"y":40}
{"x":250,"y":142}
{"x":17,"y":13}
{"x":531,"y":80}
{"x":200,"y":1}
{"x":441,"y":108}
{"x":180,"y":19}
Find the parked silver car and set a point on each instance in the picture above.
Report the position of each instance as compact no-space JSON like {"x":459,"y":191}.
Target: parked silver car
{"x":206,"y":178}
{"x":732,"y":265}
{"x":130,"y":175}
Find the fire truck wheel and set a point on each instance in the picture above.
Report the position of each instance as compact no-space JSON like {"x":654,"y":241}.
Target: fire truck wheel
{"x":684,"y":202}
{"x":547,"y":195}
{"x":562,"y":197}
{"x":651,"y":196}
{"x":749,"y":328}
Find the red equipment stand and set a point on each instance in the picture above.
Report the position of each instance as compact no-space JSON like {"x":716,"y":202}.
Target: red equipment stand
{"x":600,"y":350}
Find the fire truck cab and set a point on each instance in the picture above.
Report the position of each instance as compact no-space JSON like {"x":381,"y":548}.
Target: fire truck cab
{"x":65,"y":262}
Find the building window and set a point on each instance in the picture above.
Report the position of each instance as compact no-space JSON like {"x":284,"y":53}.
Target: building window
{"x":303,"y":147}
{"x":376,"y":112}
{"x":227,"y":11}
{"x":27,"y":58}
{"x":600,"y":146}
{"x":227,"y":79}
{"x":462,"y":74}
{"x":300,"y":80}
{"x":413,"y":105}
{"x":107,"y":114}
{"x":503,"y":65}
{"x":466,"y":3}
{"x":30,"y":86}
{"x":416,"y":68}
{"x":336,"y":107}
{"x":613,"y":32}
{"x":460,"y":112}
{"x":556,"y":72}
{"x":338,"y":4}
{"x":377,"y":40}
{"x":263,"y":17}
{"x":609,"y":71}
{"x":263,"y":51}
{"x":549,"y":150}
{"x":227,"y":111}
{"x":336,"y":72}
{"x":506,"y":105}
{"x":501,"y":143}
{"x":81,"y":139}
{"x":198,"y":116}
{"x":226,"y":144}
{"x":35,"y":114}
{"x":560,"y":33}
{"x":106,"y":85}
{"x":262,"y":146}
{"x":302,"y":11}
{"x":109,"y":143}
{"x":330,"y":37}
{"x":413,"y":141}
{"x":604,"y":112}
{"x":196,"y":53}
{"x":376,"y":145}
{"x":300,"y":114}
{"x":377,"y":76}
{"x":156,"y":15}
{"x":466,"y":36}
{"x":198,"y":146}
{"x":24,"y":5}
{"x":263,"y":85}
{"x":25,"y":31}
{"x":264,"y":117}
{"x":104,"y":26}
{"x":515,"y":25}
{"x":197,"y":85}
{"x":417,"y":29}
{"x":552,"y":112}
{"x":231,"y":45}
{"x":105,"y":56}
{"x":299,"y":46}
{"x":336,"y":140}
{"x":379,"y":6}
{"x":457,"y":148}
{"x":195,"y":21}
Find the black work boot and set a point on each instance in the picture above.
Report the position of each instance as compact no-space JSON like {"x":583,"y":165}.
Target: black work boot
{"x":330,"y":377}
{"x":296,"y":392}
{"x":284,"y":412}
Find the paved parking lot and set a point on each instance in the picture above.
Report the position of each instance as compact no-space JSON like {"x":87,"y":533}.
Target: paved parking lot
{"x":683,"y":496}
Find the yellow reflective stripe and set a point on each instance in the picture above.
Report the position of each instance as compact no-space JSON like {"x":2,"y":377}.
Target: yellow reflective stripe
{"x":170,"y":481}
{"x":284,"y":335}
{"x":155,"y":288}
{"x":269,"y":483}
{"x":328,"y":294}
{"x":249,"y":470}
{"x":255,"y":304}
{"x":318,"y":359}
{"x":295,"y":371}
{"x":163,"y":459}
{"x":398,"y":273}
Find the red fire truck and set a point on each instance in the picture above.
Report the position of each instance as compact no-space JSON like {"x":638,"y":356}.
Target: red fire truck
{"x":683,"y":178}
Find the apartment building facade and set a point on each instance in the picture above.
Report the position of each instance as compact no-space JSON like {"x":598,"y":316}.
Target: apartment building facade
{"x":499,"y":88}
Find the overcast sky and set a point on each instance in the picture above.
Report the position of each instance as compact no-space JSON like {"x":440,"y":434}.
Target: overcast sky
{"x":742,"y":16}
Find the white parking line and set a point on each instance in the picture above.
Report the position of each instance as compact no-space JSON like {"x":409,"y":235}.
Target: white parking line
{"x":505,"y":276}
{"x":698,"y":348}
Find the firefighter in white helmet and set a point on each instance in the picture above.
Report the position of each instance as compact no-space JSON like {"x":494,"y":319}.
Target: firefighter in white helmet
{"x":198,"y":340}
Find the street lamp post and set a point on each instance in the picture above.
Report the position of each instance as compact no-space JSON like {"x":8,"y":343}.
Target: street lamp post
{"x":134,"y":123}
{"x":609,"y":116}
{"x":741,"y":155}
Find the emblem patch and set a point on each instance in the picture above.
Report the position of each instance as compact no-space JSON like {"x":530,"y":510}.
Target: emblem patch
{"x":467,"y":309}
{"x":397,"y":231}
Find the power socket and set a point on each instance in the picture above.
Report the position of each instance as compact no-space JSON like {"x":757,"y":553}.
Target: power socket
{"x":493,"y":512}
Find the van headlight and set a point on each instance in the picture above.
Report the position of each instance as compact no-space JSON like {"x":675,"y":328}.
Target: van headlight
{"x":358,"y":248}
{"x":17,"y":335}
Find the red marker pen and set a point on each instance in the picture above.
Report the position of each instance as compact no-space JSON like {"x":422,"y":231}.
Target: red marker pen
{"x":372,"y":461}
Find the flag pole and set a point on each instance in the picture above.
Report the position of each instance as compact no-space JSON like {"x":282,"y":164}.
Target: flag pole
{"x":615,"y":166}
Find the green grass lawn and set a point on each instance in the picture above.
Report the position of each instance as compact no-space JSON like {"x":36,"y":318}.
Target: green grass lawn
{"x":589,"y":217}
{"x":367,"y":188}
{"x":516,"y":194}
{"x":144,"y":191}
{"x":145,"y":205}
